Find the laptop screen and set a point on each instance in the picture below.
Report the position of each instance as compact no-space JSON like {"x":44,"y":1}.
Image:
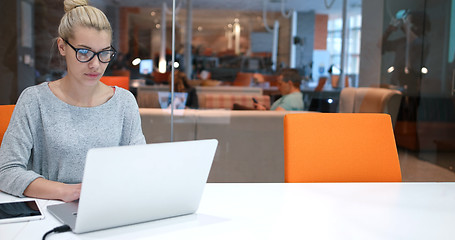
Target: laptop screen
{"x":180,"y":99}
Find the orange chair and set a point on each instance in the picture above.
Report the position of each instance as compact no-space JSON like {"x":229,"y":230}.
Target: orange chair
{"x":5,"y":115}
{"x":161,"y":77}
{"x":121,"y":73}
{"x":336,"y":78}
{"x":243,"y":79}
{"x":340,"y":147}
{"x":271,"y":79}
{"x":119,"y":81}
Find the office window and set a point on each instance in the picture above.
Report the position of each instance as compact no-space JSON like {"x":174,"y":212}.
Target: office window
{"x":353,"y":33}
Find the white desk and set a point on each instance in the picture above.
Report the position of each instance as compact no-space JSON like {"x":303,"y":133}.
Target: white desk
{"x":292,"y":211}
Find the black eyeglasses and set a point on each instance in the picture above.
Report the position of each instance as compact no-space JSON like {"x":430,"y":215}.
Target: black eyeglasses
{"x":84,"y":55}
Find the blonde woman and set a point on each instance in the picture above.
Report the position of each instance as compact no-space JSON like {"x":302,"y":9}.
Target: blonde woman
{"x":55,"y":124}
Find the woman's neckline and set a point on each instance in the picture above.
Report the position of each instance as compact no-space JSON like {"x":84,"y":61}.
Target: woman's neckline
{"x":48,"y":88}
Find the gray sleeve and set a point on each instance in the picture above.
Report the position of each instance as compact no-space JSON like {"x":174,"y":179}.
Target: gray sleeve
{"x":132,"y":128}
{"x":137,"y":136}
{"x":16,"y":148}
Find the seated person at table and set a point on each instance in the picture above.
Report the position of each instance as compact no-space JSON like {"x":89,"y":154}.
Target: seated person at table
{"x":181,"y":84}
{"x":54,"y":124}
{"x":291,"y":98}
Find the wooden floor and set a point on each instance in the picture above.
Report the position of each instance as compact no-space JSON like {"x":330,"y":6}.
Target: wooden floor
{"x":426,"y":167}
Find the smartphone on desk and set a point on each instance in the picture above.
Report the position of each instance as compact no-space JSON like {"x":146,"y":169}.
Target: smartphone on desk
{"x":20,"y":211}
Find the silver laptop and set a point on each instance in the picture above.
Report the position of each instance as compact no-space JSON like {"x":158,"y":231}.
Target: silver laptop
{"x":138,"y":184}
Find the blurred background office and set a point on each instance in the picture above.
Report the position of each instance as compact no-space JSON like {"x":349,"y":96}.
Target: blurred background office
{"x":334,"y":44}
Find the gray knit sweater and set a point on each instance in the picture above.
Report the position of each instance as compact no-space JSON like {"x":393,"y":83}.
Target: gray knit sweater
{"x":49,"y":138}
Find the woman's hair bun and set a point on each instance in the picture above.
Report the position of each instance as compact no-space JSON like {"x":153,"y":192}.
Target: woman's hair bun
{"x":72,"y":4}
{"x":79,"y":14}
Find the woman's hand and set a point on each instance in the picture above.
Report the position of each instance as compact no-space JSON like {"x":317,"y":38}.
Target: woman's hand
{"x":70,"y":192}
{"x":46,"y":189}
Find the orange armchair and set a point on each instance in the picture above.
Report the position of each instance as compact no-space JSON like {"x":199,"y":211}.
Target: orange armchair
{"x":340,"y":147}
{"x":161,"y":77}
{"x":336,"y":78}
{"x":5,"y":115}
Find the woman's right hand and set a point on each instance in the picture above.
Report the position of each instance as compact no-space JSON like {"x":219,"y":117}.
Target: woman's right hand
{"x":46,"y":189}
{"x":70,"y":192}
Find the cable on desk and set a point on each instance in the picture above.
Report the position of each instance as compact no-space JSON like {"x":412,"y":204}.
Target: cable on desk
{"x":63,"y":228}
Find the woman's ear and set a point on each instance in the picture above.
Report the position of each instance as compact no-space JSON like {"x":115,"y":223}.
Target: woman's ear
{"x":61,"y":46}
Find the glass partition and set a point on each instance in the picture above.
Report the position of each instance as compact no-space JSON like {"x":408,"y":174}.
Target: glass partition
{"x":416,"y":59}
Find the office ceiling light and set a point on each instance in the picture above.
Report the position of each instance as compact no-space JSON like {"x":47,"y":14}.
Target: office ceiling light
{"x":136,"y":61}
{"x":237,"y":28}
{"x":424,"y":70}
{"x":162,"y":66}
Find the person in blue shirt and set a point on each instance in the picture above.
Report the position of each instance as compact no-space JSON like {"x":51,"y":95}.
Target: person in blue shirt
{"x":291,"y":96}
